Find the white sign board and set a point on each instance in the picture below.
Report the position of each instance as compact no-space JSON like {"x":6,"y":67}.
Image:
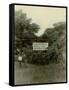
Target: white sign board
{"x":40,"y":46}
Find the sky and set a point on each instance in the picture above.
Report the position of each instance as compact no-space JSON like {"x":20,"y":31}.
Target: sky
{"x":43,"y":16}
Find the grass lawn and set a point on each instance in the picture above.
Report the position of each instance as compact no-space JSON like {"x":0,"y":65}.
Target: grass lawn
{"x":29,"y":73}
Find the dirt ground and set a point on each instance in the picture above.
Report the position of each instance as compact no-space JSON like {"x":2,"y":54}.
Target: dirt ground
{"x":32,"y":74}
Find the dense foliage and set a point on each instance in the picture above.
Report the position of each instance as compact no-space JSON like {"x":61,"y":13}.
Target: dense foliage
{"x":25,"y":36}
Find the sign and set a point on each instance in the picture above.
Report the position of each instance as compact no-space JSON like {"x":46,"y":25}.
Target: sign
{"x":40,"y":46}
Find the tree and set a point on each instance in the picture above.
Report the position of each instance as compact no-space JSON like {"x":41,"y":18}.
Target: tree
{"x":56,"y":39}
{"x":25,"y":29}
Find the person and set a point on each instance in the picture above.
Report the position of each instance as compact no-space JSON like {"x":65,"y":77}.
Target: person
{"x":20,"y":60}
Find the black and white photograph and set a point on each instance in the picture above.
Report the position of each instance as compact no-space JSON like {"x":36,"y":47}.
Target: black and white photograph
{"x":39,"y":44}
